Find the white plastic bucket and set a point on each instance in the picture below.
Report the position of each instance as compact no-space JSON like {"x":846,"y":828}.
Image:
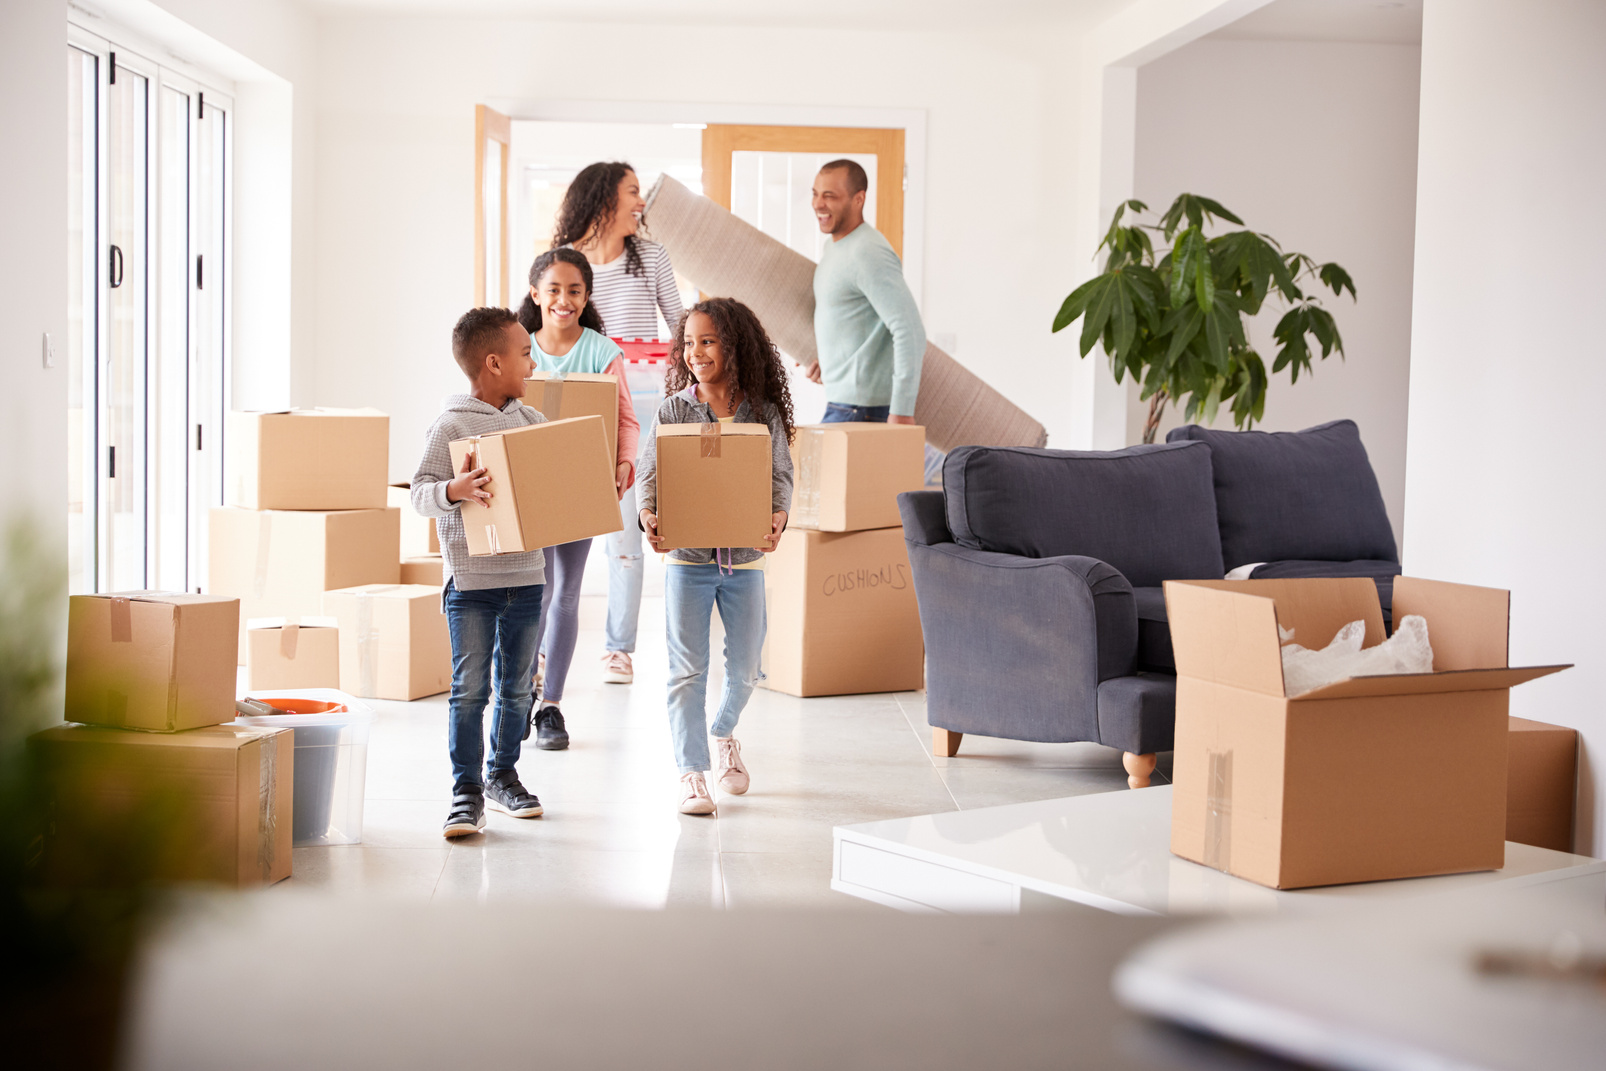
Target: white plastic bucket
{"x":331,"y":762}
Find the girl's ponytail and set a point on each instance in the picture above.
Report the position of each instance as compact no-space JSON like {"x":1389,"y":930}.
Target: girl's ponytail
{"x":530,"y":312}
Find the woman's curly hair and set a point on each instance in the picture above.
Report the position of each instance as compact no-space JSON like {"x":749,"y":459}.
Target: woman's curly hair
{"x":749,"y":355}
{"x":589,"y":206}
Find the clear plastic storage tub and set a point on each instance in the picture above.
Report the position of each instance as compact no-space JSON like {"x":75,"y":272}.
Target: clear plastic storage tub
{"x":331,"y":759}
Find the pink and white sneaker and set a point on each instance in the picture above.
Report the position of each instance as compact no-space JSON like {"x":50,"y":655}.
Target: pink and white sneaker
{"x":616,"y":668}
{"x":732,"y":771}
{"x":694,"y":797}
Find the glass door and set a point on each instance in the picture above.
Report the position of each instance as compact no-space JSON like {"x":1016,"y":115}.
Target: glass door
{"x":209,"y":279}
{"x":83,"y":272}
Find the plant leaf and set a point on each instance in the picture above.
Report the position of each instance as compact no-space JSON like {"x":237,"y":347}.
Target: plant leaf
{"x":1075,"y":304}
{"x":1337,"y":280}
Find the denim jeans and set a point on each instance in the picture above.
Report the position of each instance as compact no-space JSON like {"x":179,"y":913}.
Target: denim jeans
{"x":838,"y":413}
{"x":560,"y":613}
{"x":493,"y":644}
{"x":690,"y":594}
{"x":625,"y":570}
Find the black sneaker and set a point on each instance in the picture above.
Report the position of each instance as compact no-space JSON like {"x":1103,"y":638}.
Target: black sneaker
{"x":506,"y":794}
{"x":550,"y":735}
{"x":466,"y":816}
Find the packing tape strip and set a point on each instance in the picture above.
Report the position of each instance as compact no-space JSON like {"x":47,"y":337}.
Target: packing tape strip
{"x":806,"y":502}
{"x":492,"y":540}
{"x":552,"y":397}
{"x":267,"y":805}
{"x":259,"y":582}
{"x":367,"y":647}
{"x":708,"y":438}
{"x":289,"y":634}
{"x":122,"y":620}
{"x":1218,"y":811}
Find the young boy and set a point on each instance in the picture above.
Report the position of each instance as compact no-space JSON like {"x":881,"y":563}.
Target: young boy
{"x":492,"y":604}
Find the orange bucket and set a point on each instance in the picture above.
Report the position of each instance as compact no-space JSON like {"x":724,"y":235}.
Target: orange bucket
{"x":301,"y":706}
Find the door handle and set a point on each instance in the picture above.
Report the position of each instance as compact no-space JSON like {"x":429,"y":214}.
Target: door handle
{"x":116,"y":268}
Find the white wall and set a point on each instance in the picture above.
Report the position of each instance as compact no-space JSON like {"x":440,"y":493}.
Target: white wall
{"x":1327,"y":166}
{"x":1507,"y":363}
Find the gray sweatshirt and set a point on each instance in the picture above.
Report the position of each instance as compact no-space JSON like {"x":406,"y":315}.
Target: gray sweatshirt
{"x":462,"y":416}
{"x":684,"y":408}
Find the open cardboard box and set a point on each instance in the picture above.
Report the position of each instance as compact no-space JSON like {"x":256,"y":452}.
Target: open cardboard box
{"x":1365,"y":779}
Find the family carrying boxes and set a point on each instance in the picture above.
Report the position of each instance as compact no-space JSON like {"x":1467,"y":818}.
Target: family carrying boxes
{"x":308,"y":459}
{"x":292,"y":654}
{"x":1366,"y":779}
{"x":715,"y":485}
{"x":550,"y":483}
{"x":848,"y":476}
{"x":566,"y":395}
{"x":394,"y":641}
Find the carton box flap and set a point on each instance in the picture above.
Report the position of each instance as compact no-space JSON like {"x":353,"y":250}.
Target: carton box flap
{"x":1455,"y":680}
{"x":1469,"y":627}
{"x":539,"y":376}
{"x":666,"y":431}
{"x":1221,"y":633}
{"x":1316,"y":607}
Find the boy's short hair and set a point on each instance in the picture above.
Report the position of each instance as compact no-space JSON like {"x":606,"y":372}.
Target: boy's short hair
{"x":858,"y":181}
{"x":478,"y":332}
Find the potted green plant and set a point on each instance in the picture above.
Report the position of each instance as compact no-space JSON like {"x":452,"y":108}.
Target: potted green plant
{"x":1176,"y":324}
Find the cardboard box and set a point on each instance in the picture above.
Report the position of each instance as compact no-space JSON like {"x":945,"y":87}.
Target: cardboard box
{"x":550,"y":483}
{"x":1541,"y":784}
{"x":292,"y":654}
{"x":424,"y":569}
{"x":418,"y":536}
{"x":1366,"y":779}
{"x":849,"y":476}
{"x":715,"y":484}
{"x":151,"y":660}
{"x":394,"y":643}
{"x":842,"y":614}
{"x":565,"y":395}
{"x":278,"y":563}
{"x":308,"y":459}
{"x":223,"y":795}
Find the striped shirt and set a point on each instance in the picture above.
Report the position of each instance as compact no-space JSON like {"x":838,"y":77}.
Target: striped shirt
{"x":629,"y":304}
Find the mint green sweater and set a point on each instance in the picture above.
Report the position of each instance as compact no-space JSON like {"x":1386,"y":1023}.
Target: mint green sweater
{"x":866,"y":325}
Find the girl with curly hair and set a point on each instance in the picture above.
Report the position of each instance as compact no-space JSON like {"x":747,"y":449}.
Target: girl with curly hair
{"x":723,"y":367}
{"x":632,"y":283}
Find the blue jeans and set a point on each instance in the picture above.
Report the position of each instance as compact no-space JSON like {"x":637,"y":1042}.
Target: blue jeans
{"x":837,"y":413}
{"x":690,"y":594}
{"x":493,"y":642}
{"x":625,"y":570}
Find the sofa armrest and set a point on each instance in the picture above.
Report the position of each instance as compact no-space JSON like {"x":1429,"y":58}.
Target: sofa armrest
{"x":925,"y":518}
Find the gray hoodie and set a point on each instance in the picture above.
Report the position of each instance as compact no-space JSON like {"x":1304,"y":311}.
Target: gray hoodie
{"x":462,"y":416}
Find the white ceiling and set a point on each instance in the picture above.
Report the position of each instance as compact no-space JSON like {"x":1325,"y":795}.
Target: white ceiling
{"x":1362,"y":21}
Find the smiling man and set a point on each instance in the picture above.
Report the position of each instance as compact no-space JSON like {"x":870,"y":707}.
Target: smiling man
{"x":866,"y":325}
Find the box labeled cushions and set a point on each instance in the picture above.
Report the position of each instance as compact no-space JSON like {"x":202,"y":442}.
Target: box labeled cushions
{"x":565,"y":395}
{"x":150,"y":660}
{"x":292,"y":654}
{"x":849,"y":476}
{"x":1365,"y":779}
{"x":714,"y":484}
{"x":308,"y":459}
{"x":223,"y":794}
{"x":550,"y":483}
{"x":394,"y":642}
{"x":842,"y":614}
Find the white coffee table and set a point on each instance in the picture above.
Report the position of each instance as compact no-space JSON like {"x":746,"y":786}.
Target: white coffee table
{"x":1110,"y":850}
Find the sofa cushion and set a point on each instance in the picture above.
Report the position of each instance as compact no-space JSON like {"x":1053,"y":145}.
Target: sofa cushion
{"x":1382,"y":573}
{"x":1295,"y":495}
{"x":1154,"y":631}
{"x":1150,"y":511}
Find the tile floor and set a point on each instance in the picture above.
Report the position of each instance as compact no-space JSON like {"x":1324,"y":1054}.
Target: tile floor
{"x":611,"y":833}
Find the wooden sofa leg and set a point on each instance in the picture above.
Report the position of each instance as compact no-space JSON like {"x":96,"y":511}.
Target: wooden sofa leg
{"x":945,"y":742}
{"x":1138,"y":769}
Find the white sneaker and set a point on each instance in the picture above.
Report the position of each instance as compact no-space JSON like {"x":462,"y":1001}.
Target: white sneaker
{"x":616,"y":668}
{"x":694,"y":797}
{"x":732,"y":771}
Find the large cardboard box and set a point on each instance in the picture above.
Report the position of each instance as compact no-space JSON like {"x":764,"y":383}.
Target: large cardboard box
{"x":1541,"y":784}
{"x":292,"y":654}
{"x":394,"y":643}
{"x":715,"y":485}
{"x":849,"y":476}
{"x":1366,"y":779}
{"x":308,"y":459}
{"x":550,"y":483}
{"x":424,"y":569}
{"x":418,"y":535}
{"x":222,"y":795}
{"x":151,"y":660}
{"x":842,"y":614}
{"x":278,"y":563}
{"x":565,"y":395}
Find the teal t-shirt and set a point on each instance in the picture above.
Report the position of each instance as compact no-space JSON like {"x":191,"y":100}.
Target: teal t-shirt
{"x":592,"y":353}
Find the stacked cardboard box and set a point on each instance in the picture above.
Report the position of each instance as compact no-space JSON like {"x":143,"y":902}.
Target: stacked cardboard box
{"x":840,"y":600}
{"x":421,"y":561}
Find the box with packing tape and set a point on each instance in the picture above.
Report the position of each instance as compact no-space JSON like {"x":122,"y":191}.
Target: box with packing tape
{"x":290,"y":653}
{"x":1394,"y":775}
{"x":715,"y":485}
{"x":842,"y":614}
{"x":308,"y":459}
{"x":550,"y":483}
{"x":849,"y":475}
{"x":425,"y":569}
{"x":394,"y":643}
{"x":151,"y":660}
{"x":418,"y":535}
{"x":278,"y":563}
{"x":565,"y":395}
{"x":221,"y":794}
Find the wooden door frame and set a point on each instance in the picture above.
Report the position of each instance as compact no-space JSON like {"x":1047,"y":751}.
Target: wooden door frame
{"x":489,"y":125}
{"x":720,"y":140}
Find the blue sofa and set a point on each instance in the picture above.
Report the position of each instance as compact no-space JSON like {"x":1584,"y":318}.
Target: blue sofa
{"x":1039,"y":572}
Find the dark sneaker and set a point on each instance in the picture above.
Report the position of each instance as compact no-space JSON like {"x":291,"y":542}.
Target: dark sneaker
{"x":466,"y":816}
{"x":550,"y":735}
{"x":506,"y":794}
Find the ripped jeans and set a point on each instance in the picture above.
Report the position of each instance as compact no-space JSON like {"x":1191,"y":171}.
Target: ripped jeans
{"x":691,"y":592}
